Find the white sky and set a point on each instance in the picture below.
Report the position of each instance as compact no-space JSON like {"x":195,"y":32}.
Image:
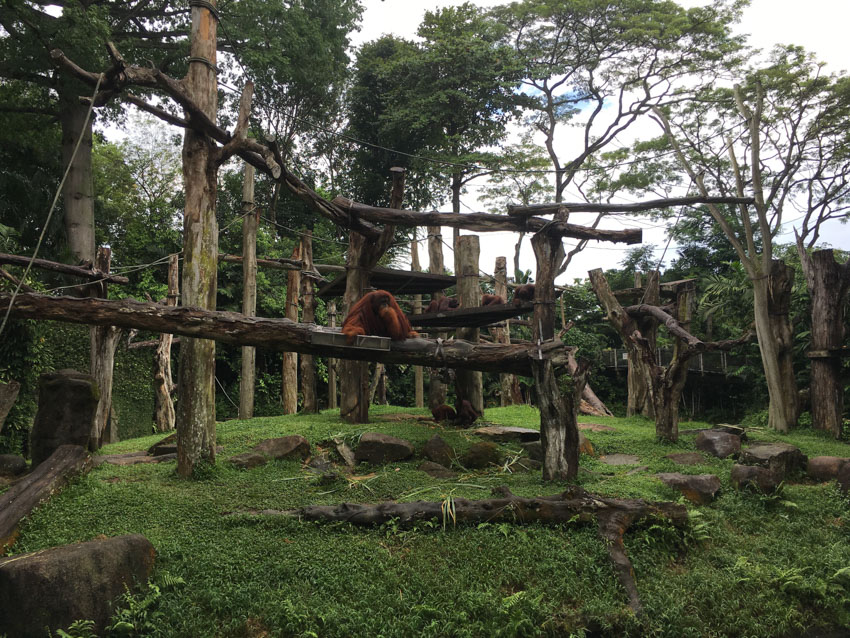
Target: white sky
{"x":818,"y":25}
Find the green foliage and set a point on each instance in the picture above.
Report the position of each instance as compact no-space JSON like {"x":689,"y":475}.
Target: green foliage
{"x":743,"y":567}
{"x":77,"y":629}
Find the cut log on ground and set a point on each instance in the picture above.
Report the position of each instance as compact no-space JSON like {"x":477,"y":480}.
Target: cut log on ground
{"x":613,"y":517}
{"x":47,"y":479}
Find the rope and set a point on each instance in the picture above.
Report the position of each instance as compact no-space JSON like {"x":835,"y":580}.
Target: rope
{"x":209,"y":6}
{"x":53,"y":205}
{"x":205,"y":62}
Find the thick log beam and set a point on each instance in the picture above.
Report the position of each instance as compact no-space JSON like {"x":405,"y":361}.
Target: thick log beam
{"x":277,"y":334}
{"x":282,"y":263}
{"x":66,"y":269}
{"x":484,"y":222}
{"x":637,"y":207}
{"x":613,"y":518}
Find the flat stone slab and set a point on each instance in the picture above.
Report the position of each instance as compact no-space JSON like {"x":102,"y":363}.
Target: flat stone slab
{"x":760,"y":478}
{"x":596,"y":427}
{"x":130,"y":458}
{"x":248,"y":460}
{"x":620,"y":459}
{"x":717,"y":443}
{"x":377,"y":448}
{"x":826,"y":468}
{"x":505,"y":434}
{"x":284,"y":447}
{"x":686,"y":458}
{"x":777,"y":457}
{"x":436,"y":470}
{"x":697,"y":488}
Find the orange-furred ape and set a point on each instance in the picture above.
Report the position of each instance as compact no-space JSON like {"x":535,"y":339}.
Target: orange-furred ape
{"x":443,"y":413}
{"x":523,"y":293}
{"x":491,"y":300}
{"x":378,"y":314}
{"x":441,"y":305}
{"x":466,"y":414}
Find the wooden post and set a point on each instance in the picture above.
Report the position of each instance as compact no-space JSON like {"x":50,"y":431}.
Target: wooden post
{"x":250,"y":221}
{"x":418,"y":376}
{"x":558,"y":405}
{"x":104,"y":342}
{"x":289,"y":369}
{"x":508,"y":383}
{"x":362,"y":257}
{"x":640,"y":397}
{"x":310,"y":404}
{"x":196,"y":378}
{"x":828,"y":282}
{"x":436,"y":388}
{"x":469,"y":384}
{"x":163,"y":383}
{"x":332,"y":363}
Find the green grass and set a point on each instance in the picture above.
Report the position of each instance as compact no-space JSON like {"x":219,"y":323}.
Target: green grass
{"x":749,"y":566}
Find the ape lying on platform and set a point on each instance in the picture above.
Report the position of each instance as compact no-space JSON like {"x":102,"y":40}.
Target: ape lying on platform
{"x":378,"y":314}
{"x":523,"y":293}
{"x":491,"y":300}
{"x":441,"y":305}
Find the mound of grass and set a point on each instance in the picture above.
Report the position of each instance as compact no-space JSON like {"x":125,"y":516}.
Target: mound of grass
{"x":749,"y":565}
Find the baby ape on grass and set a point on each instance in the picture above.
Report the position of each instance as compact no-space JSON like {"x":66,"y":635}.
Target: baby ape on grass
{"x":378,"y":314}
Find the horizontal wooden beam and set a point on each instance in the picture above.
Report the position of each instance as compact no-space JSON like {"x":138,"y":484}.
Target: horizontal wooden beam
{"x":281,"y":263}
{"x":65,"y":269}
{"x":278,"y":334}
{"x":484,"y":222}
{"x":637,"y":207}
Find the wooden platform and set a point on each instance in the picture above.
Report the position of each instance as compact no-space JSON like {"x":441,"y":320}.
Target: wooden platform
{"x":397,"y":282}
{"x":470,"y":317}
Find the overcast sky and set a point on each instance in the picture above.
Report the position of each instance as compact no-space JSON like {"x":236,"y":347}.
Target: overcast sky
{"x":818,"y":25}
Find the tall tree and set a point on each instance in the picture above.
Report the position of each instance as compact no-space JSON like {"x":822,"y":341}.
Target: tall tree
{"x":774,"y":136}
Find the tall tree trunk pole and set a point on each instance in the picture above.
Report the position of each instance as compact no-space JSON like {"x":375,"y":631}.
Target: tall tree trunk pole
{"x":310,"y":403}
{"x":469,"y":384}
{"x":104,"y":342}
{"x":362,"y":257}
{"x":436,"y":388}
{"x":509,"y":384}
{"x":78,"y":190}
{"x":640,"y":399}
{"x":828,"y":282}
{"x":332,"y":363}
{"x":289,"y":367}
{"x":196,"y":377}
{"x":164,"y":416}
{"x":780,"y":282}
{"x":250,"y":221}
{"x":418,"y":376}
{"x":558,"y":405}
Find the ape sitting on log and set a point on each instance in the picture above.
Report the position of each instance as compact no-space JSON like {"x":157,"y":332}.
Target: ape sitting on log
{"x":378,"y":314}
{"x":466,"y":414}
{"x":491,"y":300}
{"x":441,"y":305}
{"x":444,"y":413}
{"x":523,"y":293}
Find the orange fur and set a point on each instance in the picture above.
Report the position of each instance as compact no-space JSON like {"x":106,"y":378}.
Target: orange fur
{"x":377,"y":313}
{"x":491,"y":300}
{"x":444,"y":413}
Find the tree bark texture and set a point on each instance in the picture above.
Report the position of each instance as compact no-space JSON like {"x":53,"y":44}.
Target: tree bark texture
{"x":780,"y":282}
{"x":418,"y":372}
{"x":310,"y":403}
{"x":332,"y":363}
{"x":639,"y":398}
{"x":164,"y":415}
{"x":104,"y":343}
{"x":509,"y":393}
{"x":469,"y":383}
{"x":436,"y":388}
{"x":558,"y":406}
{"x":279,"y":334}
{"x":613,"y":518}
{"x":828,"y":282}
{"x":78,"y":190}
{"x":289,"y":367}
{"x":250,"y":221}
{"x":196,"y":376}
{"x":51,"y":475}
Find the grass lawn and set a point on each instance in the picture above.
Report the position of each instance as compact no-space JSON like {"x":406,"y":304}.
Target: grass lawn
{"x":750,"y":565}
